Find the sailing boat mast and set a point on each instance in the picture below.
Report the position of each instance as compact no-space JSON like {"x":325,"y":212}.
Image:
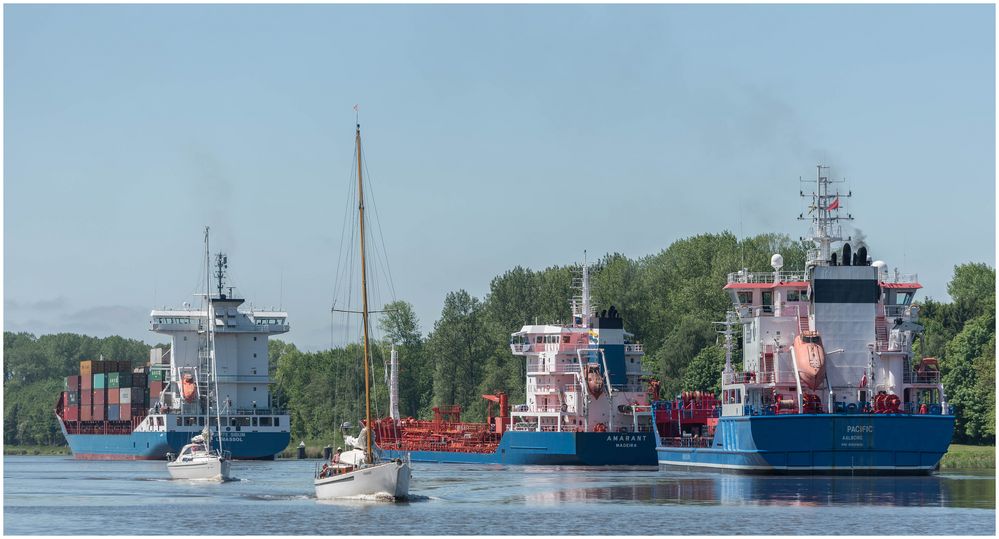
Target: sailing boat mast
{"x":364,"y":295}
{"x":210,"y":346}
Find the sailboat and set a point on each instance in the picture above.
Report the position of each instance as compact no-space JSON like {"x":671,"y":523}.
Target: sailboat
{"x":357,"y":473}
{"x":199,"y":459}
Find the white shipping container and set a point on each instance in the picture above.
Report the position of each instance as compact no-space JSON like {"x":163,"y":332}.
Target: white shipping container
{"x":125,"y":395}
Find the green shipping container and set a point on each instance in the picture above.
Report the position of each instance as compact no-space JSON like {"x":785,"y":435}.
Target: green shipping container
{"x":113,"y":379}
{"x":100,"y":381}
{"x":156,"y":375}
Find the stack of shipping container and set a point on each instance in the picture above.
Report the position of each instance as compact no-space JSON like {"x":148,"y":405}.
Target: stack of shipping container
{"x":109,"y":392}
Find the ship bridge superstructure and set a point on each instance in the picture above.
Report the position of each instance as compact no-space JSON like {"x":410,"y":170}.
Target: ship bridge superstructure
{"x":836,"y":336}
{"x":584,"y":376}
{"x":240,"y":335}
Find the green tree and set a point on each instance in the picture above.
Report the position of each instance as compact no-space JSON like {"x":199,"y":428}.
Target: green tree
{"x":703,"y":373}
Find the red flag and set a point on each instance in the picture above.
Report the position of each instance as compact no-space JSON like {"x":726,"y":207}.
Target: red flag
{"x":834,"y":205}
{"x":863,"y":381}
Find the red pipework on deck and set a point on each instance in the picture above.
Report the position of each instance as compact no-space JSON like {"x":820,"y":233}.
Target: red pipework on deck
{"x":498,"y":424}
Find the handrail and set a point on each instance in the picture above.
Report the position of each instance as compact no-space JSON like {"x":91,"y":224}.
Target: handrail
{"x":896,"y":311}
{"x":761,"y":277}
{"x":762,"y":377}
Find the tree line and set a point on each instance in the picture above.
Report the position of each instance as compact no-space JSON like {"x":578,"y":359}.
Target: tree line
{"x":669,"y":301}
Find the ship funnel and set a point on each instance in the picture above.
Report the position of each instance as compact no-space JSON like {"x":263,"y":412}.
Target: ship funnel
{"x":861,"y":256}
{"x":846,"y":254}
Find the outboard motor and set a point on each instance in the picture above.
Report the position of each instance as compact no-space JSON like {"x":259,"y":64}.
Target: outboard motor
{"x":846,"y":254}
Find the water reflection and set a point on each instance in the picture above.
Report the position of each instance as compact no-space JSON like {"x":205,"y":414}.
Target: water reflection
{"x":707,"y":489}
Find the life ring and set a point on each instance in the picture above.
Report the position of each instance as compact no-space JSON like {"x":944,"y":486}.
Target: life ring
{"x":600,"y":427}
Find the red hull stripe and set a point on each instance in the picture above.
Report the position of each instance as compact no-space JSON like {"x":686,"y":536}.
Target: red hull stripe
{"x":106,"y":456}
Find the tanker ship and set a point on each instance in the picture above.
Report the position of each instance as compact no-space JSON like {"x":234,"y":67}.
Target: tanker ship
{"x":113,"y":410}
{"x":586,"y":402}
{"x":829,"y":382}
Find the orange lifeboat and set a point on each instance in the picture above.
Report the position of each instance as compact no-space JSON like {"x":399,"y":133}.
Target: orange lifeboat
{"x":189,"y":387}
{"x":594,"y":380}
{"x":810,"y":358}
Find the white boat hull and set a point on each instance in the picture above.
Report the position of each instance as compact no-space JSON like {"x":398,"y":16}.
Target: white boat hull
{"x":208,"y":468}
{"x":388,"y":479}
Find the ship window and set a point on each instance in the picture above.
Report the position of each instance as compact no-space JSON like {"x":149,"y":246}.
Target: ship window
{"x":768,"y":298}
{"x":277,"y":421}
{"x":565,"y":339}
{"x":254,"y":422}
{"x":903,"y":298}
{"x":794,"y":295}
{"x":265,"y":421}
{"x":178,"y":421}
{"x":539,"y":339}
{"x":201,"y":421}
{"x":745,"y":298}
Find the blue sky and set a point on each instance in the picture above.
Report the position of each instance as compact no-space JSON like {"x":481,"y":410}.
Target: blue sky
{"x":495,"y":136}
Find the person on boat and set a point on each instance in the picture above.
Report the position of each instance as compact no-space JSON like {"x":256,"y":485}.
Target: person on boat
{"x":336,"y":456}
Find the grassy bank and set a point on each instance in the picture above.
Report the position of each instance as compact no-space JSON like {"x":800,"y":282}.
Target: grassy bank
{"x":35,"y":450}
{"x":969,"y":457}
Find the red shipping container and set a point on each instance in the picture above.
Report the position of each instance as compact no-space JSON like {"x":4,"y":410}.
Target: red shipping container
{"x":98,"y":414}
{"x":86,"y":398}
{"x":86,"y":382}
{"x":155,"y":388}
{"x":114,"y":395}
{"x":73,"y":382}
{"x":126,"y":412}
{"x":99,"y":397}
{"x":85,"y":414}
{"x":71,"y":413}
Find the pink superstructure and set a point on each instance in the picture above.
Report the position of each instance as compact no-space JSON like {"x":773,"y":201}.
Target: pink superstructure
{"x":582,"y":377}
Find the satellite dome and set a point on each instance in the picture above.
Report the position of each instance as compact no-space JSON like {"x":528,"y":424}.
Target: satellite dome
{"x":777,"y":261}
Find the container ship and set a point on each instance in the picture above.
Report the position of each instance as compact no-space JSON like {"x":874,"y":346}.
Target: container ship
{"x":112,"y":410}
{"x":829,"y":383}
{"x":586,"y":402}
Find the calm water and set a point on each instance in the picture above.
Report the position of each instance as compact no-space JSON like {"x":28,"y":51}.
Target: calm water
{"x":61,"y":496}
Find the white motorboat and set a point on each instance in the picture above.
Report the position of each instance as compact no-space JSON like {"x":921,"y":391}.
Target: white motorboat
{"x":357,"y":473}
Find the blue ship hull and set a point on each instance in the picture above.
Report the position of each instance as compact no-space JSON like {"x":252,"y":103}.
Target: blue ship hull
{"x":820,"y":443}
{"x":552,"y":448}
{"x":155,"y":445}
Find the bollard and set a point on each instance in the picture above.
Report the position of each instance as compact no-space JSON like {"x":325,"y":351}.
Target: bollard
{"x":327,"y":452}
{"x":301,"y":450}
